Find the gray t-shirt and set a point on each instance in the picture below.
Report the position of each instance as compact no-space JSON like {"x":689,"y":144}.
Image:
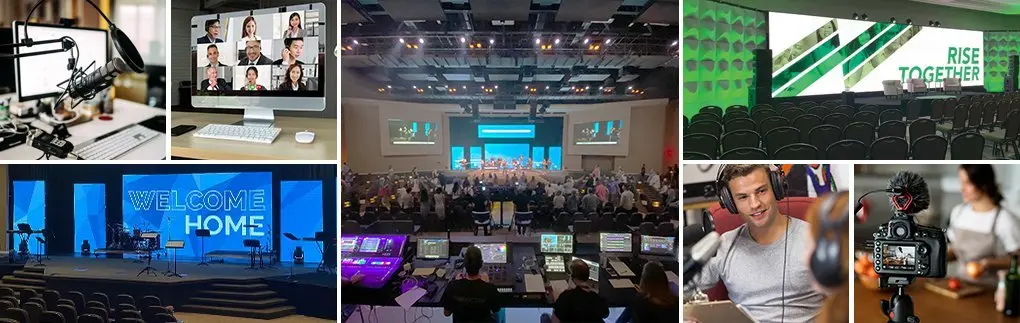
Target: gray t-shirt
{"x":753,"y":275}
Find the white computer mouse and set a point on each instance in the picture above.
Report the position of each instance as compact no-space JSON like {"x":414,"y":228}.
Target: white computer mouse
{"x":304,"y":137}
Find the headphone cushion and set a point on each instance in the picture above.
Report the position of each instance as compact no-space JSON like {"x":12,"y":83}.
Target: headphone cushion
{"x":825,"y":264}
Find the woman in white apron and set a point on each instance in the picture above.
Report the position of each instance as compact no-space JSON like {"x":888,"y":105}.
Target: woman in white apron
{"x":981,"y":230}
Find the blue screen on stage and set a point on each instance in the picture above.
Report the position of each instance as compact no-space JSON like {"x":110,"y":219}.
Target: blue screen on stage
{"x":90,"y":215}
{"x":29,"y":207}
{"x":537,"y":155}
{"x":506,"y":151}
{"x":506,"y":131}
{"x":475,"y":157}
{"x":177,"y":205}
{"x":456,"y":154}
{"x":300,"y":215}
{"x":555,"y":158}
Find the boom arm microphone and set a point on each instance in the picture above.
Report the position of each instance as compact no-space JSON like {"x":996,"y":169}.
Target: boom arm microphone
{"x":701,"y":253}
{"x":693,"y":233}
{"x":87,"y":86}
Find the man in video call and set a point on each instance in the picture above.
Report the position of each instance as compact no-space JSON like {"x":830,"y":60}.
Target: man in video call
{"x":213,"y":54}
{"x":253,"y":54}
{"x":212,"y":82}
{"x":212,"y":32}
{"x":293,"y":47}
{"x":762,"y":262}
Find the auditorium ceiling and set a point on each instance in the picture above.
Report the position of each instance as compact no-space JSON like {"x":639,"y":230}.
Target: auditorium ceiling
{"x":557,"y":51}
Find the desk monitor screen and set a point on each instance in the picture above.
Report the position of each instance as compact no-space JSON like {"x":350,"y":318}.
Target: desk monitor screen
{"x":43,"y":73}
{"x":373,"y":245}
{"x":593,"y":268}
{"x":557,"y":243}
{"x":273,"y":58}
{"x":493,"y":253}
{"x":653,"y":245}
{"x":433,"y":248}
{"x":615,"y":242}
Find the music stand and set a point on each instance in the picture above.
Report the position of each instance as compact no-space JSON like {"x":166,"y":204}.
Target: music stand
{"x":174,"y":244}
{"x":254,"y":245}
{"x":202,"y":234}
{"x":38,"y":252}
{"x":321,"y":237}
{"x":151,"y":237}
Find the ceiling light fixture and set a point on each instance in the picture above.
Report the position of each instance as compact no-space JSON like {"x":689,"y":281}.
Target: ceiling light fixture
{"x":421,"y":40}
{"x":586,"y":40}
{"x":401,"y":40}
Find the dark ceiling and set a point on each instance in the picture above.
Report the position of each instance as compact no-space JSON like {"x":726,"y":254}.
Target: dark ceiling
{"x":556,"y":51}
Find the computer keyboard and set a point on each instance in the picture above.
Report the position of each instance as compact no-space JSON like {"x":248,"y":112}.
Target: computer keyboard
{"x":262,"y":135}
{"x":116,"y":144}
{"x":505,"y":289}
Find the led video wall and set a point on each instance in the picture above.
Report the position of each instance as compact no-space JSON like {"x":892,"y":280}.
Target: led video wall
{"x":301,"y":211}
{"x":90,"y":215}
{"x":998,"y":47}
{"x":29,"y":207}
{"x":819,"y":55}
{"x":232,"y":206}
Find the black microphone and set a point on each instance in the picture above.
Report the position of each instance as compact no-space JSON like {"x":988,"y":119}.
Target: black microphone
{"x":130,"y":60}
{"x":913,"y":197}
{"x":893,"y":190}
{"x":701,"y":253}
{"x":693,"y":233}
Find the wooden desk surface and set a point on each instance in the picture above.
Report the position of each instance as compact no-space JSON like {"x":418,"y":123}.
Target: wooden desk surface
{"x":929,"y":306}
{"x":284,"y":147}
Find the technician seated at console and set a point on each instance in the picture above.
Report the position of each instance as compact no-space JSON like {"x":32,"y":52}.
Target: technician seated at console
{"x":213,"y":82}
{"x":762,"y":261}
{"x":579,"y":303}
{"x":657,"y":303}
{"x":292,"y":49}
{"x":253,"y":54}
{"x":470,"y":297}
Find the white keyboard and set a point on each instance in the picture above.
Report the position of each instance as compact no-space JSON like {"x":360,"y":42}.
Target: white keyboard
{"x":621,"y":268}
{"x":116,"y":144}
{"x":505,"y":289}
{"x":262,"y":135}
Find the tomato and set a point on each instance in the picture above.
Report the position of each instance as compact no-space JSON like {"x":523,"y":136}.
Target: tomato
{"x":954,"y":284}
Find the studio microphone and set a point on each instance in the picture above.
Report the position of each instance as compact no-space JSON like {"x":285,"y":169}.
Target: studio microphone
{"x":701,"y":253}
{"x":913,"y":196}
{"x":130,"y":60}
{"x":693,"y":233}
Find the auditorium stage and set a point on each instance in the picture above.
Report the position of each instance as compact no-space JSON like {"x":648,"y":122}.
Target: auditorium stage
{"x":902,"y":102}
{"x":308,"y":292}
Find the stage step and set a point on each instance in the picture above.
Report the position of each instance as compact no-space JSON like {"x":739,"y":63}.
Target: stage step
{"x":265,"y":313}
{"x":29,"y":274}
{"x":240,"y":287}
{"x":24,"y":281}
{"x":34,"y":269}
{"x":239,"y":295}
{"x":240,"y":303}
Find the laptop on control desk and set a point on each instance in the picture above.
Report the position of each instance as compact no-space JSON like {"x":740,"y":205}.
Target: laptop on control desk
{"x":555,"y":248}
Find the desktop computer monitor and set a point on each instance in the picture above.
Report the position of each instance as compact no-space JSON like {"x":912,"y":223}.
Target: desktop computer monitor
{"x":593,"y":268}
{"x":40,"y":76}
{"x":615,"y":242}
{"x":493,"y":253}
{"x":557,"y":243}
{"x":261,"y":60}
{"x":654,"y":245}
{"x":429,"y":248}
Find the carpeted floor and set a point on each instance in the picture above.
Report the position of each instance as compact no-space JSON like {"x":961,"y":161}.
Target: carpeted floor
{"x":202,"y":318}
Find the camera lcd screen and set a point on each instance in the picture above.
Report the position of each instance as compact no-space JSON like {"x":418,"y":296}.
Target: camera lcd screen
{"x":899,"y":257}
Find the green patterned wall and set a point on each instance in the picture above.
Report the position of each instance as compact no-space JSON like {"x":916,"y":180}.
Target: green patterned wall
{"x":998,"y":47}
{"x":717,"y":53}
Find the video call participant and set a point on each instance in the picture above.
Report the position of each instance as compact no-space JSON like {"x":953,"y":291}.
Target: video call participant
{"x":213,"y":54}
{"x":656,"y":303}
{"x":982,"y":232}
{"x":470,"y":297}
{"x":253,"y":54}
{"x":292,"y":49}
{"x":579,"y":303}
{"x":251,"y":76}
{"x":248,"y":32}
{"x":213,"y":82}
{"x":762,"y":261}
{"x":294,"y":29}
{"x":212,"y":32}
{"x":292,"y":79}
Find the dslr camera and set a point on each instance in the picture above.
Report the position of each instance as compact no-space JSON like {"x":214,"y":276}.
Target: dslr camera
{"x":905,"y":249}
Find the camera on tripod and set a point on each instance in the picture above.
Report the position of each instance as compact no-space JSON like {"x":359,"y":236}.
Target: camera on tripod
{"x":904,"y":249}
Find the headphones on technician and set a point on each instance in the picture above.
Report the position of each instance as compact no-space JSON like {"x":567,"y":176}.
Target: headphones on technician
{"x":825,"y":260}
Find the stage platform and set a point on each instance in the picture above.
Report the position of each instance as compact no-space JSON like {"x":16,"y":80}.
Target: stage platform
{"x":902,"y":102}
{"x":220,"y":288}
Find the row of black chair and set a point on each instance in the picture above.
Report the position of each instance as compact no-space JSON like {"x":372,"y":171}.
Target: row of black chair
{"x":28,"y":306}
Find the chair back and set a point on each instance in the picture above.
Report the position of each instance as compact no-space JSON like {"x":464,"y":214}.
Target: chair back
{"x":860,"y":131}
{"x":967,"y":146}
{"x":796,"y":151}
{"x":894,"y":128}
{"x":889,"y":148}
{"x":930,"y":147}
{"x":921,"y":127}
{"x":746,"y":153}
{"x":847,"y":149}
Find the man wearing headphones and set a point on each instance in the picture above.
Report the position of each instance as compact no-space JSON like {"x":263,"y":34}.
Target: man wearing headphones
{"x":470,"y":297}
{"x":762,"y":261}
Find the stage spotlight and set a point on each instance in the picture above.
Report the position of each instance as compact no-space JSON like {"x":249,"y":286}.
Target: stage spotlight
{"x":430,"y":86}
{"x":674,"y":43}
{"x":909,"y":21}
{"x":389,"y":87}
{"x":86,"y":249}
{"x":421,"y":40}
{"x":557,"y":41}
{"x":608,"y":40}
{"x":464,"y":87}
{"x":355,"y":41}
{"x":299,"y":256}
{"x":586,"y":40}
{"x":892,"y":20}
{"x":492,"y":41}
{"x":546,"y":87}
{"x":864,"y":17}
{"x":856,"y":17}
{"x":401,"y":40}
{"x":462,"y":40}
{"x":538,"y":41}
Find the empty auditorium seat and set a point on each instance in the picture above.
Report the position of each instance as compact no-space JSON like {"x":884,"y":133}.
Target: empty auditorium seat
{"x":746,"y":153}
{"x":739,"y":124}
{"x":740,"y":138}
{"x":930,"y":147}
{"x":69,"y":313}
{"x":17,"y":314}
{"x":34,"y":310}
{"x":701,"y":143}
{"x":967,"y":146}
{"x":51,"y":317}
{"x":837,"y":119}
{"x":796,"y":151}
{"x":1005,"y":137}
{"x":847,"y":149}
{"x":805,"y":123}
{"x":91,"y":318}
{"x":780,"y":137}
{"x":711,"y":109}
{"x":889,"y":148}
{"x":921,"y":127}
{"x":893,"y":128}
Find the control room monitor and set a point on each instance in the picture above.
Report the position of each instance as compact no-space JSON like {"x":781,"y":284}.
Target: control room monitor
{"x":557,"y":243}
{"x":261,"y":60}
{"x":653,"y":245}
{"x":493,"y":253}
{"x":433,"y":248}
{"x":615,"y":242}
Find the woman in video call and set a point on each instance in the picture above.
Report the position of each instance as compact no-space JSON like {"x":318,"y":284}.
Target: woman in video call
{"x":252,"y":74}
{"x":294,"y":29}
{"x":248,"y":32}
{"x":293,"y":80}
{"x":982,"y":232}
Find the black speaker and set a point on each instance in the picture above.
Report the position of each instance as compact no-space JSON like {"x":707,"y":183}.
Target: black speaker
{"x":762,"y":88}
{"x":1012,"y":73}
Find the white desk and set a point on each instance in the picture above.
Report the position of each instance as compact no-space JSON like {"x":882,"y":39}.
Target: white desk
{"x":125,"y":113}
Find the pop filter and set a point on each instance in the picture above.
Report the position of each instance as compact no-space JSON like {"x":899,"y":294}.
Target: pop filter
{"x":127,"y":50}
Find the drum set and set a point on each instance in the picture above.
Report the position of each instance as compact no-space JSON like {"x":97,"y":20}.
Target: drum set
{"x":122,"y":239}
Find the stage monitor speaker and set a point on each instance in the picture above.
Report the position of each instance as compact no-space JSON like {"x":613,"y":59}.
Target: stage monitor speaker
{"x":1012,"y":73}
{"x":762,"y":76}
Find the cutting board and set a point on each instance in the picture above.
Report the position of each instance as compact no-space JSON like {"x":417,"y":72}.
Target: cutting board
{"x":941,"y":286}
